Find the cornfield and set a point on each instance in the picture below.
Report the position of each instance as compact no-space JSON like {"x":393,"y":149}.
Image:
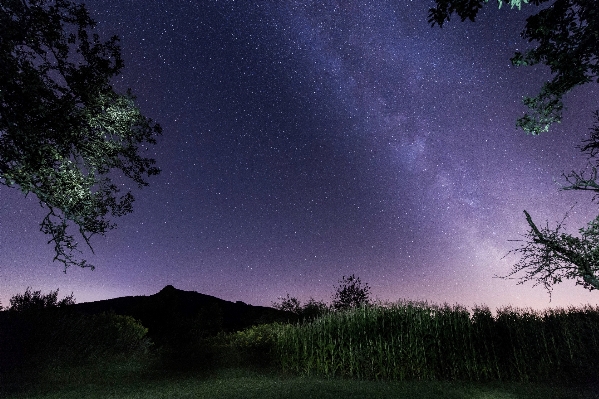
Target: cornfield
{"x":420,"y":341}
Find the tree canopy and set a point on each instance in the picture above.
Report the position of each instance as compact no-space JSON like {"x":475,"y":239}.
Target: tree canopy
{"x":33,"y":301}
{"x":567,"y":37}
{"x":351,"y":293}
{"x":63,"y":128}
{"x":549,"y":255}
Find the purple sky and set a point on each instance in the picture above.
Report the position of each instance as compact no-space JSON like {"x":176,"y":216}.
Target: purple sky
{"x":305,"y":142}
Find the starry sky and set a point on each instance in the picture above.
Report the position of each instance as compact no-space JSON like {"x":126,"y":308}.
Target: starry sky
{"x":305,"y":141}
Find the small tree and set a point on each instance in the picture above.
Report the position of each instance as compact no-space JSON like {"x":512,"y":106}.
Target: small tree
{"x":313,"y":308}
{"x":36,"y":301}
{"x":288,"y":304}
{"x":310,"y":310}
{"x":351,"y":293}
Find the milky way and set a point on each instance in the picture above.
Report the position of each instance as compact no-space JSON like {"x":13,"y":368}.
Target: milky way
{"x":305,"y":141}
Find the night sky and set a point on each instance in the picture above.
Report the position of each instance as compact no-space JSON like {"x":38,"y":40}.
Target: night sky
{"x":305,"y":141}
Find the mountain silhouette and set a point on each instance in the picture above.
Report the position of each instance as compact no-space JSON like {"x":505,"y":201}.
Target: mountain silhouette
{"x":173,"y":314}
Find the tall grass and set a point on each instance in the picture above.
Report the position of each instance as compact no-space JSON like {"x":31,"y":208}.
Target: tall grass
{"x":408,"y":341}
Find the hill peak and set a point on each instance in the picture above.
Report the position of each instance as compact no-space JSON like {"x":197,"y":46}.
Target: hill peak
{"x":167,"y":289}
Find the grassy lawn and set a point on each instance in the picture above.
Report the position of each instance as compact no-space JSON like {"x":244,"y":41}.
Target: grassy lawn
{"x":133,"y":381}
{"x":236,"y":365}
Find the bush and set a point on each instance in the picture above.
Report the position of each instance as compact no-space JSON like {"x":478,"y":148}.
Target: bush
{"x":351,"y":294}
{"x":86,"y":338}
{"x":288,"y":304}
{"x":35,"y":301}
{"x":55,"y":338}
{"x":254,"y":346}
{"x":311,"y":310}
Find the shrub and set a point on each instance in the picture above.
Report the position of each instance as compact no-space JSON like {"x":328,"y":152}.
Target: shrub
{"x":288,"y":304}
{"x":309,"y":311}
{"x":34,"y":301}
{"x":114,"y":335}
{"x":56,"y":338}
{"x":253,"y":346}
{"x":313,"y":309}
{"x":351,"y":294}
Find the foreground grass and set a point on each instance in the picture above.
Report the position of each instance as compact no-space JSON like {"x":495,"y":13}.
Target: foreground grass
{"x":345,"y":346}
{"x":407,"y":341}
{"x":134,"y":381}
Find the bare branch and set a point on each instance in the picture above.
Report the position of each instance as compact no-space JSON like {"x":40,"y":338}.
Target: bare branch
{"x":548,"y":256}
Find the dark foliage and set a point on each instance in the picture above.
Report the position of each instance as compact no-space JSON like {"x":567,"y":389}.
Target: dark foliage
{"x":35,"y":301}
{"x":447,"y":343}
{"x":63,"y":128}
{"x":351,"y":293}
{"x":52,"y":338}
{"x":567,"y":37}
{"x":311,"y":310}
{"x":288,"y":304}
{"x":549,"y":255}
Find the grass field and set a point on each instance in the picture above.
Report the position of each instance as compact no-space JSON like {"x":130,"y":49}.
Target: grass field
{"x":135,"y":382}
{"x":400,"y":351}
{"x":412,"y":341}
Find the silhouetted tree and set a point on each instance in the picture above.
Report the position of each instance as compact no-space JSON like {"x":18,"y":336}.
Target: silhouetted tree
{"x":549,"y":256}
{"x":351,"y":293}
{"x":36,"y":301}
{"x":313,"y":309}
{"x":63,"y":128}
{"x":288,"y":304}
{"x":310,"y":310}
{"x":567,"y":34}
